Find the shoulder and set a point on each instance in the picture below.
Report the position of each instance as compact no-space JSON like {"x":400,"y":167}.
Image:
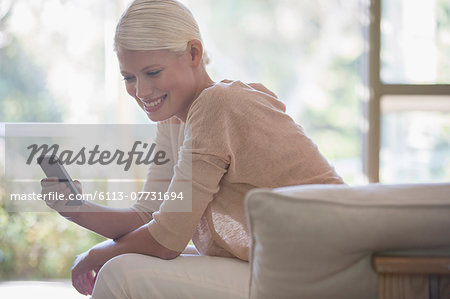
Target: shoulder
{"x":218,"y":94}
{"x":228,"y":98}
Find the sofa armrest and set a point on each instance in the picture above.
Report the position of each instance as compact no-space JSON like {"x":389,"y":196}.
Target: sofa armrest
{"x":316,"y":241}
{"x":410,"y":277}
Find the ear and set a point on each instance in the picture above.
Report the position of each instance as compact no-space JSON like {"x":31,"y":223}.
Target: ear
{"x":195,"y":49}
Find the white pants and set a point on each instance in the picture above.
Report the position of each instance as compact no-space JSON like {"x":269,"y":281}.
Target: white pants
{"x":187,"y":276}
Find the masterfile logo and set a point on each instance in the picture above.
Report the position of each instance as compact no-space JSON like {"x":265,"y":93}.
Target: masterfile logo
{"x":112,"y":162}
{"x":105,"y":157}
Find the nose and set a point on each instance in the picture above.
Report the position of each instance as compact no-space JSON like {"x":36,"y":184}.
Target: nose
{"x":143,"y":89}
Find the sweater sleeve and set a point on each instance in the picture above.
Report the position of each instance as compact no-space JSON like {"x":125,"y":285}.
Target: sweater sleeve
{"x":158,"y":176}
{"x":203,"y":161}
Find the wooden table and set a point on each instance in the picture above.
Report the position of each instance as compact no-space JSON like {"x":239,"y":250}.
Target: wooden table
{"x":412,"y":277}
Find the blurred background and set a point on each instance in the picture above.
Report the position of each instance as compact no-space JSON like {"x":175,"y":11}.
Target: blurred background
{"x":57,"y":65}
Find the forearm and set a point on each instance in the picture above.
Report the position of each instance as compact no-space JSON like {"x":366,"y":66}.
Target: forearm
{"x":138,"y":241}
{"x":109,"y":222}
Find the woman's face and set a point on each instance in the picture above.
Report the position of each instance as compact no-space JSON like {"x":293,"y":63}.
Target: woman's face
{"x":161,"y":82}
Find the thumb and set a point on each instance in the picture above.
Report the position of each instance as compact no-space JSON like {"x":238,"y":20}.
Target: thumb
{"x":78,"y":185}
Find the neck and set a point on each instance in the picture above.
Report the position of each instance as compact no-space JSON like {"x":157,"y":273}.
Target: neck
{"x":205,"y":81}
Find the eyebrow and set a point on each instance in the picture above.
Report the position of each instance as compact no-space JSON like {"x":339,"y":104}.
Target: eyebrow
{"x":143,"y":69}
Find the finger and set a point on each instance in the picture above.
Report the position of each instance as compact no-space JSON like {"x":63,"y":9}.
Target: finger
{"x":89,"y":282}
{"x":81,"y":284}
{"x":54,"y":187}
{"x":78,"y":185}
{"x":65,"y":190}
{"x":68,"y":192}
{"x":49,"y":181}
{"x":57,"y":188}
{"x":87,"y":285}
{"x":76,"y":285}
{"x":51,"y":200}
{"x":52,"y":183}
{"x":51,"y":178}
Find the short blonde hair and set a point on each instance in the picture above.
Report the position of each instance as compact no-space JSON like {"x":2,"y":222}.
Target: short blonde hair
{"x":157,"y":25}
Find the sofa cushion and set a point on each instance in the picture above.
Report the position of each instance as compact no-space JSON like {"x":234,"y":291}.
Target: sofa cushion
{"x":316,"y":241}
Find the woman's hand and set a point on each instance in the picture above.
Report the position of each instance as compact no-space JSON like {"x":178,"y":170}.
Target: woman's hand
{"x":138,"y":241}
{"x":84,"y":272}
{"x":52,"y":184}
{"x":86,"y":266}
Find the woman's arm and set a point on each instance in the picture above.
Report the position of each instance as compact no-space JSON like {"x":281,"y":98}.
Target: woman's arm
{"x":109,"y":222}
{"x":138,"y":241}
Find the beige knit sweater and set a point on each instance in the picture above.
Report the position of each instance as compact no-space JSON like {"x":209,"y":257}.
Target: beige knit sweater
{"x":237,"y":137}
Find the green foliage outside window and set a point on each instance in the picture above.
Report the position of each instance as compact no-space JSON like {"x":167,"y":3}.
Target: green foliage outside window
{"x":32,"y":245}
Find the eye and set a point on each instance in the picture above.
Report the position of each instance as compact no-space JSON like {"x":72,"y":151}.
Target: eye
{"x":153,"y":74}
{"x":128,"y":78}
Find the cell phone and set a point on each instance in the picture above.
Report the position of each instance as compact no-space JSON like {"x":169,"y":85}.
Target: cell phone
{"x":53,"y":167}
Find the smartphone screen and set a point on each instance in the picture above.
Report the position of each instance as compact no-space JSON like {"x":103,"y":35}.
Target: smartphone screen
{"x":53,"y":167}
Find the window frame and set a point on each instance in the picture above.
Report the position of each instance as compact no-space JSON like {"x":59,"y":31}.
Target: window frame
{"x":376,"y":90}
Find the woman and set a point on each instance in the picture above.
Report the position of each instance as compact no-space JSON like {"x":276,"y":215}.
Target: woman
{"x":232,"y":136}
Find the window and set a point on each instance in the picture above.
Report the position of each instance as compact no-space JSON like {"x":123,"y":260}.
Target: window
{"x":408,"y":81}
{"x":308,"y":53}
{"x":415,"y":138}
{"x":367,"y":79}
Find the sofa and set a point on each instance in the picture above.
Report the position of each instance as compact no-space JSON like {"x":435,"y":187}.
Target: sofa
{"x":318,"y":241}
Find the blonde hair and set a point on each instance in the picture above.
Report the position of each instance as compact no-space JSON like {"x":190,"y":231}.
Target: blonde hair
{"x":157,"y":25}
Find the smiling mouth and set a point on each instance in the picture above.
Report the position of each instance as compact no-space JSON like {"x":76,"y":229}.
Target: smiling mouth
{"x":152,"y":106}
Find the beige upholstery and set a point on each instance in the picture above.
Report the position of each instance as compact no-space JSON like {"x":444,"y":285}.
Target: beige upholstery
{"x":316,"y":241}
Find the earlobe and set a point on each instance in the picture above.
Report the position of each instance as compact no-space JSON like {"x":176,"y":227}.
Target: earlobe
{"x":196,"y":52}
